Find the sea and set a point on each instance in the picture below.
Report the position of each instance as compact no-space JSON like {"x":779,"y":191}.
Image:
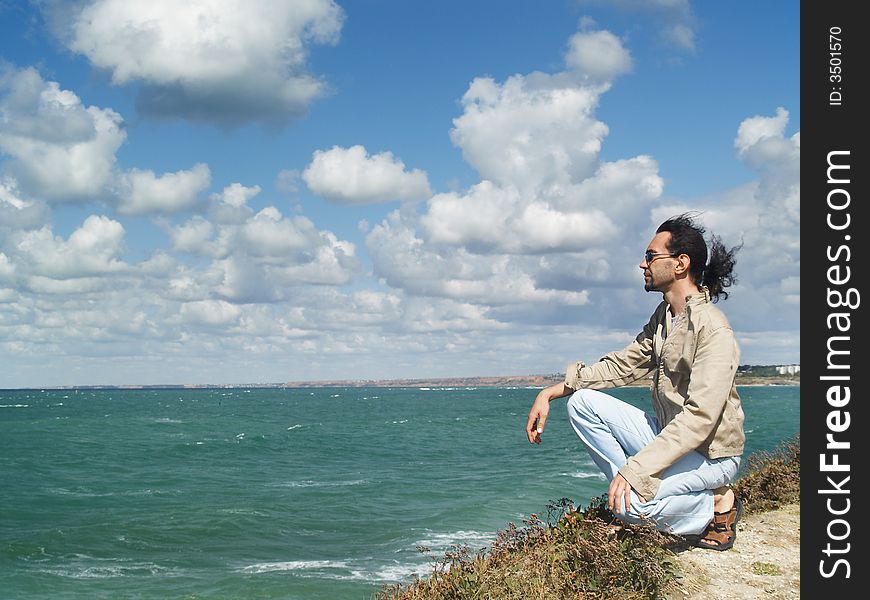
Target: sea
{"x":305,"y":493}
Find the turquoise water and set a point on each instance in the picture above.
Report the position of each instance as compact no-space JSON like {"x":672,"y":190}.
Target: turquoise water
{"x":281,"y":493}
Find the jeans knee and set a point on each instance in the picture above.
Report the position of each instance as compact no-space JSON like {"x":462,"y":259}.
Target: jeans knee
{"x":580,"y":403}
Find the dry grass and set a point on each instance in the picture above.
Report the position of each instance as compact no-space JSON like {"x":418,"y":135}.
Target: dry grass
{"x":771,"y":479}
{"x":577,"y":554}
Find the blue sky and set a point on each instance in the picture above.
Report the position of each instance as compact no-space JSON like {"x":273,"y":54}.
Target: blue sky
{"x":265,"y":191}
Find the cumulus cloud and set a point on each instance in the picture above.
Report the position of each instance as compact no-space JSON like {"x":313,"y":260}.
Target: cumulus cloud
{"x":598,"y":54}
{"x":266,"y":256}
{"x":505,"y":222}
{"x":407,"y":262}
{"x":211,"y":313}
{"x":352,"y":176}
{"x":58,"y":149}
{"x":228,"y":62}
{"x":230,"y":206}
{"x":529,"y":131}
{"x":541,"y":233}
{"x":143,"y":192}
{"x":16,"y":212}
{"x":92,"y":249}
{"x":552,"y":234}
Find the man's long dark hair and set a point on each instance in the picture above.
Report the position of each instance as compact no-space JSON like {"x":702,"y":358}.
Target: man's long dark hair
{"x":687,"y":237}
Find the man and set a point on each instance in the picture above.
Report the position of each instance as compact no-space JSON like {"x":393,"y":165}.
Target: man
{"x":673,"y":469}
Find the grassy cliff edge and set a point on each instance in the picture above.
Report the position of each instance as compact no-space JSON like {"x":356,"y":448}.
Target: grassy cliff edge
{"x":577,"y":554}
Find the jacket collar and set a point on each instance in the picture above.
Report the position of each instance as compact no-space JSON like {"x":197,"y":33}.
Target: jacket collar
{"x":701,"y":297}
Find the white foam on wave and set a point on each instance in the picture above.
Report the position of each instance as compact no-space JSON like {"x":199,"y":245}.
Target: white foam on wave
{"x":14,"y":405}
{"x":305,"y":483}
{"x":86,"y":493}
{"x":87,"y":567}
{"x":585,"y":475}
{"x":394,"y":572}
{"x":294,"y":565}
{"x":292,"y":427}
{"x":340,"y":570}
{"x":244,"y":511}
{"x":442,"y":541}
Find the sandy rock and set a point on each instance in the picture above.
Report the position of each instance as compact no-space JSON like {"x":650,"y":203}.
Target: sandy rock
{"x":763,"y":563}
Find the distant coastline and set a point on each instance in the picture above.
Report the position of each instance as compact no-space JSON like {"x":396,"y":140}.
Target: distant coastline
{"x":523,"y":381}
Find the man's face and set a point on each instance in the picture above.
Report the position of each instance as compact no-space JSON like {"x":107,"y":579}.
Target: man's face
{"x":658,"y":271}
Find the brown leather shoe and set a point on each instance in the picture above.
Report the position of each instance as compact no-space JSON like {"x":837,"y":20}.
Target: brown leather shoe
{"x":721,"y":532}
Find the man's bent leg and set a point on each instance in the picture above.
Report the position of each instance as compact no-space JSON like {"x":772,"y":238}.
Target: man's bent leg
{"x":611,"y":430}
{"x":684,"y":501}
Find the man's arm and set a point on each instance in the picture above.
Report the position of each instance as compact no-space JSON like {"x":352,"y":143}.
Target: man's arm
{"x":622,"y":367}
{"x":541,"y":408}
{"x":614,"y":369}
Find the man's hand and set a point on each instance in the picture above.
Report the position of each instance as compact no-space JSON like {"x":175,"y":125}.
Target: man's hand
{"x":620,"y":488}
{"x":541,"y":408}
{"x":538,"y":417}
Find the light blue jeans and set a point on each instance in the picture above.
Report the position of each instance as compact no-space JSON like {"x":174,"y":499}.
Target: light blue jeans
{"x":613,"y":430}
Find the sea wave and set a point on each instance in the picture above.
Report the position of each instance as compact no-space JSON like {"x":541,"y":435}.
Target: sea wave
{"x":306,"y":483}
{"x":88,"y":567}
{"x":343,"y":570}
{"x":585,"y":475}
{"x":442,"y":541}
{"x":395,"y":572}
{"x":295,"y":565}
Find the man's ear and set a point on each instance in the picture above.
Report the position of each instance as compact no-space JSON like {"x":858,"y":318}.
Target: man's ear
{"x":683,"y":264}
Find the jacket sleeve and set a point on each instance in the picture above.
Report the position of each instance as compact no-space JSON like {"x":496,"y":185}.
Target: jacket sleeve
{"x":712,"y":377}
{"x":617,"y":368}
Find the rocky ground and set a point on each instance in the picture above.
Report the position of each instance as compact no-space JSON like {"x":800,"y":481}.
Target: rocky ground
{"x":764,"y":562}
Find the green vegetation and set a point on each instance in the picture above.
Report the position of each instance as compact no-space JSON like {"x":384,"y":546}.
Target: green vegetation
{"x":771,"y":479}
{"x":765,"y":568}
{"x":585,"y":554}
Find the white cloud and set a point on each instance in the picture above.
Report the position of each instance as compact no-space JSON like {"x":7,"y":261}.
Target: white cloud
{"x":143,"y":192}
{"x":231,"y":62}
{"x":530,"y":132}
{"x":7,"y":268}
{"x":541,"y":251}
{"x":543,"y":232}
{"x":599,"y":55}
{"x":58,"y":149}
{"x":490,"y":219}
{"x":17,"y":213}
{"x":210,"y":313}
{"x":194,"y":236}
{"x":92,"y":249}
{"x":264,"y":257}
{"x":676,"y":21}
{"x":230,"y":206}
{"x":236,"y":195}
{"x":352,"y":176}
{"x":407,"y":262}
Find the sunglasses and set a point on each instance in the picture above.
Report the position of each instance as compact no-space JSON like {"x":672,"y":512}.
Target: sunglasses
{"x":650,"y":256}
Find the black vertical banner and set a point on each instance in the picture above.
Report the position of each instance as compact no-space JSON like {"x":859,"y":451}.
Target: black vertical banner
{"x":833,"y":279}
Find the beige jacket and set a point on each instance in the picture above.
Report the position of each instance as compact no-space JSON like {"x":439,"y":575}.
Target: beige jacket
{"x":693,"y":362}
